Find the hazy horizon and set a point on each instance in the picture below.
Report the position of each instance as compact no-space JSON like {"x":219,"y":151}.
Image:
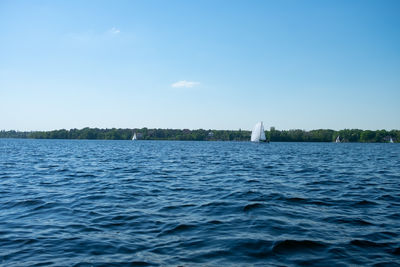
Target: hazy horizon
{"x":199,"y":65}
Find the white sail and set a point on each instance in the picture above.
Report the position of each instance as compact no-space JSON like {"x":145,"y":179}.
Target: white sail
{"x":337,"y":139}
{"x":258,"y":133}
{"x":134,"y":136}
{"x":262,"y":133}
{"x":391,"y":140}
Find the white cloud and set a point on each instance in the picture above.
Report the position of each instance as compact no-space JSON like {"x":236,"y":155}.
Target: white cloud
{"x":184,"y":84}
{"x":115,"y":30}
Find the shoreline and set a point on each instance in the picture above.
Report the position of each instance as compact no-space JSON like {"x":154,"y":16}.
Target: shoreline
{"x":272,"y":135}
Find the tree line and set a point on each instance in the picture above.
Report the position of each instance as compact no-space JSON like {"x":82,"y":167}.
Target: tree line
{"x":273,"y":135}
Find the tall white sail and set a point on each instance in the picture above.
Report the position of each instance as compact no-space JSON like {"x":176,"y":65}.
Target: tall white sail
{"x":262,"y":136}
{"x":337,"y":139}
{"x":391,"y":140}
{"x":134,"y":137}
{"x":258,"y":133}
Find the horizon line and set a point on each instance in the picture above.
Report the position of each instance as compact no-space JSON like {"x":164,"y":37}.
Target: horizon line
{"x":195,"y":129}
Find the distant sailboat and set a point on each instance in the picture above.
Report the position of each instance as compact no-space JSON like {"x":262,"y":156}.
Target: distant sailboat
{"x":258,"y":134}
{"x":134,"y":137}
{"x":391,"y":140}
{"x":337,"y":139}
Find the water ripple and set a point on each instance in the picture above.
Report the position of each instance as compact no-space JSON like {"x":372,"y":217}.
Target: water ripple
{"x":113,"y":203}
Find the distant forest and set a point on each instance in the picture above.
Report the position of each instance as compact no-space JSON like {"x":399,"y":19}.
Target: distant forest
{"x":273,"y":135}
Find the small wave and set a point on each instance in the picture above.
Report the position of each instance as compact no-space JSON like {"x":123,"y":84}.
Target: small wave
{"x":386,"y":264}
{"x":365,"y":203}
{"x":353,"y":221}
{"x":393,"y":216}
{"x":276,"y":196}
{"x":111,"y":225}
{"x":327,"y":183}
{"x":308,"y":201}
{"x":252,"y":206}
{"x":301,"y":200}
{"x":178,"y":229}
{"x":366,"y":244}
{"x":288,"y":246}
{"x":307,"y":170}
{"x":205,"y":257}
{"x":176,"y":207}
{"x":214,"y":222}
{"x":257,"y":248}
{"x":26,"y":203}
{"x":18,"y":241}
{"x":380,"y":236}
{"x":131,"y":170}
{"x":80,"y":174}
{"x":125,"y":218}
{"x":389,"y":198}
{"x":297,"y":199}
{"x":83,"y":228}
{"x":251,"y":181}
{"x":46,"y":206}
{"x":114,"y":263}
{"x":215,"y":204}
{"x":94,"y":196}
{"x":139,"y":263}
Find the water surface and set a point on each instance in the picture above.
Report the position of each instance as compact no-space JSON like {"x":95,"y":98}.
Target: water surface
{"x":78,"y":203}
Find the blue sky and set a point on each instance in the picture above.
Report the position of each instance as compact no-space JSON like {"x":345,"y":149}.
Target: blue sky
{"x":199,"y":64}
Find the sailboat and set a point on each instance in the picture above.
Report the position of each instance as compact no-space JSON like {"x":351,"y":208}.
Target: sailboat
{"x":391,"y":140}
{"x":258,"y":134}
{"x":134,"y":137}
{"x":337,"y":139}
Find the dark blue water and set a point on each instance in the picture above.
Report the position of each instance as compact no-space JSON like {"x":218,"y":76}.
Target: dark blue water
{"x":78,"y":203}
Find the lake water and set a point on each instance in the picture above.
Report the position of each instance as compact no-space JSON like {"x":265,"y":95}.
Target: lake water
{"x":78,"y":203}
